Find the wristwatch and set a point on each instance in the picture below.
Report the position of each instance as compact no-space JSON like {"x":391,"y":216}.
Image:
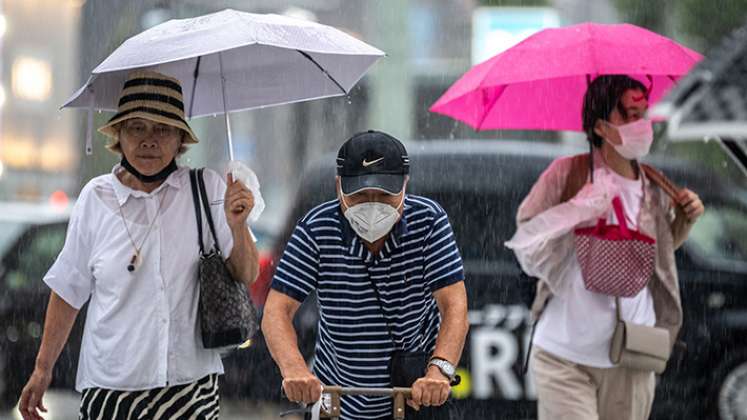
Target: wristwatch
{"x":446,"y":368}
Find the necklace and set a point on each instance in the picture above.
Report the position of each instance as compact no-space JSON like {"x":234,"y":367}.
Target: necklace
{"x":135,"y":260}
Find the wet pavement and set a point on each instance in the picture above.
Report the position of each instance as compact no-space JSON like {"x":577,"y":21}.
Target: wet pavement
{"x":63,"y":405}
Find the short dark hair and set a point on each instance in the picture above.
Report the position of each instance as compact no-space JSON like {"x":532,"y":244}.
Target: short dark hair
{"x":602,"y":97}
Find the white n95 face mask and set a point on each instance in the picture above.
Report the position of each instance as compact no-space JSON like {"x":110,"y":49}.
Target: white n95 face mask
{"x":372,"y":220}
{"x":636,"y":137}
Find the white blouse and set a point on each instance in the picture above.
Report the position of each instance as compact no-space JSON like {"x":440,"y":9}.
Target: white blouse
{"x":141,"y":329}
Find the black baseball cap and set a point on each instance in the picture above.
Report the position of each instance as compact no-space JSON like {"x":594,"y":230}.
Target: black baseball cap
{"x":372,"y":159}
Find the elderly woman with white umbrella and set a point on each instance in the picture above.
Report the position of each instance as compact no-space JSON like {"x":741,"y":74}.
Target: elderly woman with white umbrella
{"x":131,"y":252}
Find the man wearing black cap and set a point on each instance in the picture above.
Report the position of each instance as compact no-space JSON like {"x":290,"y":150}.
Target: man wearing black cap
{"x":389,"y":280}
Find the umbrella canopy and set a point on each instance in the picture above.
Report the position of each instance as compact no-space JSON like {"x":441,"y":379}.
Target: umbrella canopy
{"x":539,"y":83}
{"x":266,"y":59}
{"x":232,"y":61}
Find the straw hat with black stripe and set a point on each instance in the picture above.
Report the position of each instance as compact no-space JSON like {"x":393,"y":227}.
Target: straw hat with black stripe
{"x":152,"y":96}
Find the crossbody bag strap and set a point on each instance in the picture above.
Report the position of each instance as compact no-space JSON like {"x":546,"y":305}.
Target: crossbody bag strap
{"x":383,"y":313}
{"x":198,"y":209}
{"x":206,"y":206}
{"x":618,"y":313}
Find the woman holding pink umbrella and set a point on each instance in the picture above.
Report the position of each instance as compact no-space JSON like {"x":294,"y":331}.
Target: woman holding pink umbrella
{"x":615,"y":309}
{"x":582,"y":364}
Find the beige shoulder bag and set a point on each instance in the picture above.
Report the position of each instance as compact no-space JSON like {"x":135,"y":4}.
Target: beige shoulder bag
{"x":638,"y":346}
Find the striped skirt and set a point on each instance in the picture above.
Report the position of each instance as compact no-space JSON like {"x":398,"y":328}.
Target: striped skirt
{"x":198,"y":400}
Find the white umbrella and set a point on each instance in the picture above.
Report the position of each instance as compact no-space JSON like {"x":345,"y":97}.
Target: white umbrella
{"x":233,"y":61}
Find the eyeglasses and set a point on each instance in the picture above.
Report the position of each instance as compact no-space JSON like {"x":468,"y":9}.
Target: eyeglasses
{"x":140,"y":130}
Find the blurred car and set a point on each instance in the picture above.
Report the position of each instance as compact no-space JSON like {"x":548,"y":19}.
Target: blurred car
{"x":265,"y":237}
{"x":31,"y":236}
{"x":480,"y":185}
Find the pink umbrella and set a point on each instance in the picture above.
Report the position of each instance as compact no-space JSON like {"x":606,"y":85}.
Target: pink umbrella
{"x":539,"y":83}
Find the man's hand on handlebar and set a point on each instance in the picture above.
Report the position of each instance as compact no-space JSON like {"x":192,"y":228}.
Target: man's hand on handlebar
{"x":431,"y":390}
{"x":302,"y":388}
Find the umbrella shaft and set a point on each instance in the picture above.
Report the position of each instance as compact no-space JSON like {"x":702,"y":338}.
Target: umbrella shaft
{"x":228,"y":133}
{"x":225,"y":109}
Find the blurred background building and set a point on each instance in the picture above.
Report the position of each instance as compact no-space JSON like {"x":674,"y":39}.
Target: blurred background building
{"x":39,"y":66}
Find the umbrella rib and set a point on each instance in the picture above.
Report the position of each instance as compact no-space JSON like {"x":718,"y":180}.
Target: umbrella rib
{"x":736,"y":152}
{"x":326,"y":73}
{"x":194,"y":85}
{"x":490,"y":108}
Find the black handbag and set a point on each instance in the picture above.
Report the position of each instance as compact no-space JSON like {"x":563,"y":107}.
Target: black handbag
{"x":227,"y":316}
{"x":406,"y":367}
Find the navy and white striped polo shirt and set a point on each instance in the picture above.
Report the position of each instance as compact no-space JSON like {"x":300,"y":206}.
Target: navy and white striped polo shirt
{"x":354,"y":341}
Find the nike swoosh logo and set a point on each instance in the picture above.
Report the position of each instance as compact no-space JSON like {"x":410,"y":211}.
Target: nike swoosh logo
{"x":366,"y":163}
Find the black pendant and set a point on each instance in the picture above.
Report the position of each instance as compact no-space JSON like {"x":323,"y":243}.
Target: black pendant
{"x":131,"y":265}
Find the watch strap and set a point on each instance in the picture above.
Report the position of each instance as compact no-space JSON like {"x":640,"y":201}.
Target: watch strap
{"x":435,"y":362}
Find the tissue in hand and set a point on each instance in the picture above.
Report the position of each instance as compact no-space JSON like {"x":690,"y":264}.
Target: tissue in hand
{"x":242,"y":173}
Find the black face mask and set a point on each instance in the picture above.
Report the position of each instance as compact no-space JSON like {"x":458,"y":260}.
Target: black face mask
{"x":161,"y":175}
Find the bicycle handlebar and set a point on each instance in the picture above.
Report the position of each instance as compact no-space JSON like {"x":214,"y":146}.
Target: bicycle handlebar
{"x":375,"y":392}
{"x":399,"y":395}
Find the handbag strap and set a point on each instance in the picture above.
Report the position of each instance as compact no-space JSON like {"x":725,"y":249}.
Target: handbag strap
{"x":198,"y":209}
{"x":661,"y":181}
{"x":620,"y":214}
{"x":206,"y":206}
{"x":618,"y":313}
